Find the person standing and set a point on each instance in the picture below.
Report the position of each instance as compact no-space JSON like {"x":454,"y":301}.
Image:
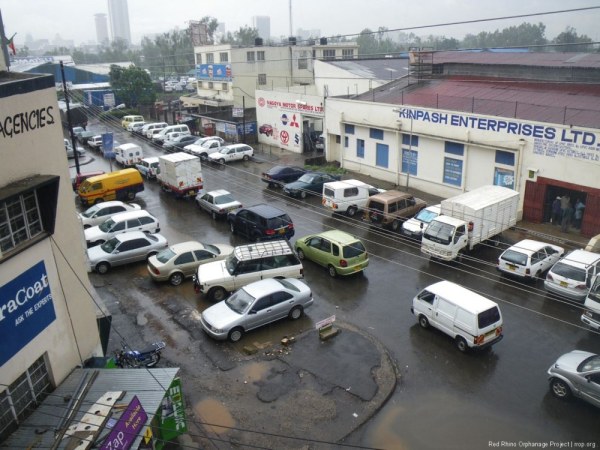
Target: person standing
{"x":556,"y":211}
{"x":579,"y":207}
{"x":567,"y":215}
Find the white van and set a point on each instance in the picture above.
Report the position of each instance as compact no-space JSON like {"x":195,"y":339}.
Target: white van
{"x":160,"y":137}
{"x":473,"y":321}
{"x":150,"y":129}
{"x":128,"y":155}
{"x":591,"y":312}
{"x":348,"y":196}
{"x":139,"y":220}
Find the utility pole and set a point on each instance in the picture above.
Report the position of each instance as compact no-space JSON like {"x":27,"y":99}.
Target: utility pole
{"x":244,"y":119}
{"x":69,"y":124}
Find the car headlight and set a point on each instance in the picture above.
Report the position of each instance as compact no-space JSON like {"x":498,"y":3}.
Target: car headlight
{"x":587,"y":313}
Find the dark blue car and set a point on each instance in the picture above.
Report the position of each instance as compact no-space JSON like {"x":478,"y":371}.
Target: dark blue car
{"x":309,"y":183}
{"x":280,"y":175}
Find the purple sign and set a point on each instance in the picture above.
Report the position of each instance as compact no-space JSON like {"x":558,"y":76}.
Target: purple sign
{"x":127,"y":428}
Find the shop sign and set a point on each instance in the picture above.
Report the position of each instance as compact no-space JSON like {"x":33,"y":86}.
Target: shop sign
{"x":172,"y":413}
{"x":127,"y":428}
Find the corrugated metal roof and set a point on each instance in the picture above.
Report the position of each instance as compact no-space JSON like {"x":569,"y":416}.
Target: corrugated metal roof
{"x":385,"y":69}
{"x":543,"y":59}
{"x":150,"y":385}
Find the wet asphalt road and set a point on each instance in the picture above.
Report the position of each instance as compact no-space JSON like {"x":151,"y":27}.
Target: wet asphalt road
{"x":445,"y":399}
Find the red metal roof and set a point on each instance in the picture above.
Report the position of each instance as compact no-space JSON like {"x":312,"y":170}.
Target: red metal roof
{"x":543,"y":59}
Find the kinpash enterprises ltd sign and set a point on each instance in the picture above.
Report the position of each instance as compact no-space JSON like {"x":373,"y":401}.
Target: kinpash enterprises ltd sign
{"x":26,"y":309}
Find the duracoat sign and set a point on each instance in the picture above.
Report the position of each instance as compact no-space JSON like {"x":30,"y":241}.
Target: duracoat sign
{"x":26,"y":309}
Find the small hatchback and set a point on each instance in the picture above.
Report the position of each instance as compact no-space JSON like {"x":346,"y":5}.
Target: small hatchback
{"x":576,"y":374}
{"x":261,"y":222}
{"x":529,"y":259}
{"x":571,"y":277}
{"x":255,"y":305}
{"x":340,"y":252}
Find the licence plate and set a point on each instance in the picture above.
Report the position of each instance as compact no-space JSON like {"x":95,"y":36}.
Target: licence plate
{"x":511,"y":267}
{"x":564,"y":284}
{"x":282,"y":231}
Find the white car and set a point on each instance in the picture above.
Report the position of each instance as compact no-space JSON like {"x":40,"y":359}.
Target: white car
{"x":204,"y":149}
{"x":98,"y":213}
{"x":529,"y":259}
{"x":233,"y":152}
{"x":217,"y":203}
{"x":413,"y":228}
{"x":95,"y":141}
{"x":135,"y":127}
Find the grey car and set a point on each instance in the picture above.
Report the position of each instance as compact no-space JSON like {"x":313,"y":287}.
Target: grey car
{"x":217,"y":203}
{"x":576,"y":374}
{"x":255,"y":305}
{"x":125,"y":248}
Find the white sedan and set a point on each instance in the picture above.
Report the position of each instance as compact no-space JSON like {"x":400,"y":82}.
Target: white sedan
{"x":98,"y":213}
{"x":233,"y":152}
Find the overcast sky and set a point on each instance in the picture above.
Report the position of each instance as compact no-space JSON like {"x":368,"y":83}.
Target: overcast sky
{"x":74,"y":19}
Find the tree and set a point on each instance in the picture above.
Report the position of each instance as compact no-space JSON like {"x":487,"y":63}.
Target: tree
{"x":573,"y":40}
{"x":244,"y":36}
{"x":134,"y":85}
{"x":367,"y":44}
{"x":169,"y":53}
{"x":211,"y":26}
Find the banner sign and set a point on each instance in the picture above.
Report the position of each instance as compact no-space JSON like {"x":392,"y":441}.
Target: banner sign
{"x":26,"y":309}
{"x":127,"y":428}
{"x":213,"y":72}
{"x":172,"y":413}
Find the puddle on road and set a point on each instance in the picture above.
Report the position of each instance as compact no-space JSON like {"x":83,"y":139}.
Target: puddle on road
{"x":211,"y":411}
{"x":254,"y":371}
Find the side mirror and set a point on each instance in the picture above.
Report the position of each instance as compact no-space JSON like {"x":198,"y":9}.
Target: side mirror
{"x":252,"y":311}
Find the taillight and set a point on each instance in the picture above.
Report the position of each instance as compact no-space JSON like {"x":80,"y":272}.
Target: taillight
{"x":549,"y":277}
{"x":154,"y":270}
{"x":498,"y":331}
{"x":302,"y":272}
{"x":582,"y":287}
{"x":343,"y":263}
{"x":323,"y":202}
{"x":270,"y":232}
{"x":479,"y":339}
{"x":221,"y":211}
{"x":291,"y":226}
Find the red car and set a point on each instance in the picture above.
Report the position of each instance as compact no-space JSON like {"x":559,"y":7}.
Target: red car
{"x":266,"y":129}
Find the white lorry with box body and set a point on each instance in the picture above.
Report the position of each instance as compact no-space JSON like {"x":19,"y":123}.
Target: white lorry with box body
{"x":473,"y":321}
{"x":180,"y":174}
{"x":469,"y":219}
{"x":347,"y":196}
{"x":591,"y":312}
{"x":128,"y":155}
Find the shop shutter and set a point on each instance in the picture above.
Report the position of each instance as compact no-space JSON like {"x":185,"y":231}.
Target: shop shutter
{"x":533,"y":203}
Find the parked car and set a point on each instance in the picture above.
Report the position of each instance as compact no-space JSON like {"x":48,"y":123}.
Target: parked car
{"x":100,"y":212}
{"x":233,"y":152}
{"x":206,"y":148}
{"x":247,"y":263}
{"x":177,"y":144}
{"x":347,"y":196}
{"x":82,"y":176}
{"x":309,"y":183}
{"x":123,"y":222}
{"x":413,"y":228}
{"x":205,"y":139}
{"x":135,"y":127}
{"x":280,"y":175}
{"x":217,"y":203}
{"x":95,"y":142}
{"x":71,"y":152}
{"x":320,"y":144}
{"x":571,"y":277}
{"x":529,"y":259}
{"x":340,"y":252}
{"x":266,"y":129}
{"x":576,"y":374}
{"x":255,"y":305}
{"x":390,"y":208}
{"x":181,"y":260}
{"x":261,"y":222}
{"x":124,"y":249}
{"x":148,"y":167}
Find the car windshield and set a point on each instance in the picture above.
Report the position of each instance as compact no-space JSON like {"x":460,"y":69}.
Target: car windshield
{"x":110,"y":245}
{"x":240,"y":301}
{"x":91,"y":211}
{"x":306,"y":178}
{"x":166,"y":255}
{"x":353,"y":250}
{"x":514,"y":257}
{"x":279,"y":222}
{"x":426,"y":215}
{"x":106,"y":225}
{"x":222,"y":199}
{"x":231,"y":264}
{"x":568,"y":271}
{"x":439,"y":232}
{"x":591,"y":363}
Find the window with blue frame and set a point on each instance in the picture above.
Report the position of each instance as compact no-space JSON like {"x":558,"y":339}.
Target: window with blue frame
{"x":346,"y":141}
{"x":349,"y":129}
{"x":375,"y":133}
{"x":409,"y":161}
{"x":454,"y":148}
{"x":408,"y":142}
{"x":360,"y":148}
{"x":504,"y":178}
{"x":382,"y":155}
{"x":506,"y":158}
{"x":453,"y":171}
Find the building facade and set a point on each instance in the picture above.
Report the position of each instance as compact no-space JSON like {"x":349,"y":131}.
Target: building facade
{"x":101,"y":29}
{"x":48,"y":313}
{"x":119,"y":20}
{"x":263,"y":26}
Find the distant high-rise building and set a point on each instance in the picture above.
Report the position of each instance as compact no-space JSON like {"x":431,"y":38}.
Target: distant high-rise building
{"x":119,"y":20}
{"x":101,"y":29}
{"x":263,"y":25}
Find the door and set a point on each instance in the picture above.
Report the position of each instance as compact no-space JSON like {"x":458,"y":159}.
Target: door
{"x":533,"y":201}
{"x":260,"y":313}
{"x":444,"y":316}
{"x":246,"y":272}
{"x":424,"y":303}
{"x":186,"y":263}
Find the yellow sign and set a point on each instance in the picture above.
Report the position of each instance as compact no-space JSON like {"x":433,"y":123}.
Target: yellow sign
{"x":148,"y":435}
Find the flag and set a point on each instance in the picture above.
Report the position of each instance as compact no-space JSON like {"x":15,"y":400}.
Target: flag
{"x":11,"y":44}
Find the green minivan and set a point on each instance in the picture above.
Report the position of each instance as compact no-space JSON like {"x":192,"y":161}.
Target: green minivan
{"x":340,"y":252}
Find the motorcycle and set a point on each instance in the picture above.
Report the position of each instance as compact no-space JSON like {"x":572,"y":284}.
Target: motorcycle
{"x":149,"y":357}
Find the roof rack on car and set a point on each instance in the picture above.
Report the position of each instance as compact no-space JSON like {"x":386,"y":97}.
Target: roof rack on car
{"x":260,"y":249}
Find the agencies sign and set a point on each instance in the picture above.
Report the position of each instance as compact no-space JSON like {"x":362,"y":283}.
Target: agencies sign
{"x":127,"y":428}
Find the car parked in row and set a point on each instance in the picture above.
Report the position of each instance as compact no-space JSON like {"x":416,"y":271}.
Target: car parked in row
{"x":136,"y":127}
{"x":124,"y":249}
{"x":340,"y":252}
{"x":390,"y":209}
{"x":255,"y":305}
{"x":529,"y":259}
{"x":576,"y":374}
{"x":572,"y":276}
{"x":217,"y":203}
{"x":261,"y":222}
{"x":280,"y":175}
{"x":309,"y":183}
{"x":71,"y":152}
{"x":123,"y":222}
{"x":206,"y":148}
{"x":348,"y":196}
{"x":181,"y":260}
{"x":234,"y":152}
{"x":176,"y":144}
{"x":82,"y":176}
{"x":413,"y":228}
{"x":100,"y":212}
{"x":148,"y":167}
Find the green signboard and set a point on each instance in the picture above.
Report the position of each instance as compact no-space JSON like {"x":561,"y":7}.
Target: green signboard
{"x":171,"y":415}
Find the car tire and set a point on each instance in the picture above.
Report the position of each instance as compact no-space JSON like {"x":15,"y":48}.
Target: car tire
{"x":256,"y":238}
{"x":204,"y":157}
{"x":461,"y":344}
{"x":302,"y":194}
{"x":176,"y":278}
{"x":221,"y":161}
{"x":102,"y":268}
{"x":130,"y":195}
{"x":301,"y":255}
{"x":295,"y":313}
{"x":85,"y":227}
{"x":246,"y":158}
{"x":423,"y":321}
{"x":559,"y":388}
{"x":351,"y":211}
{"x":331,"y":270}
{"x":396,"y":225}
{"x":217,"y":294}
{"x":232,"y":227}
{"x":98,"y":200}
{"x":213,"y":215}
{"x":235,"y":335}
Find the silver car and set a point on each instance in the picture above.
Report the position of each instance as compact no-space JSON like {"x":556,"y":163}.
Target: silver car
{"x":217,"y":203}
{"x":125,"y":248}
{"x":182,"y":260}
{"x":576,"y":374}
{"x":98,"y":213}
{"x":255,"y":305}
